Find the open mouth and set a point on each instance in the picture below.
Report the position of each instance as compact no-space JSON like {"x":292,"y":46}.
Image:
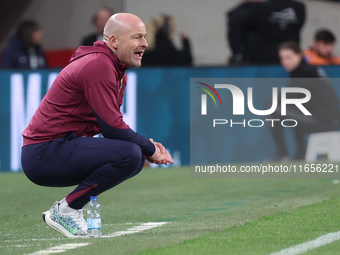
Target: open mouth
{"x":139,"y":54}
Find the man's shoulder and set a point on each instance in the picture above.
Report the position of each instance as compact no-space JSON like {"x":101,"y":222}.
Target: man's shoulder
{"x":313,"y":58}
{"x":280,"y":5}
{"x":309,"y":54}
{"x":310,"y":71}
{"x":99,"y":64}
{"x":15,"y":47}
{"x":91,"y":69}
{"x":337,"y":60}
{"x":241,"y":8}
{"x":284,"y":2}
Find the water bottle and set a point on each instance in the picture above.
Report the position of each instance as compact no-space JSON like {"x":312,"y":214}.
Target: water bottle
{"x":177,"y":158}
{"x":94,"y":226}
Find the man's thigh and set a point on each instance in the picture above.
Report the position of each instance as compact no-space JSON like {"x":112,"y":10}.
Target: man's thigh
{"x":68,"y":161}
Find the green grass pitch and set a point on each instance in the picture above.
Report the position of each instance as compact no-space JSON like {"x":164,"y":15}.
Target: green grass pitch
{"x":205,"y":216}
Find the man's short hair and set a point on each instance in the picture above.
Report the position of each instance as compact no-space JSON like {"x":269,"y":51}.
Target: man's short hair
{"x":291,"y":45}
{"x":324,"y":35}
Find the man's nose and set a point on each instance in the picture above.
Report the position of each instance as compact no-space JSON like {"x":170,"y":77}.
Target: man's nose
{"x":144,"y":43}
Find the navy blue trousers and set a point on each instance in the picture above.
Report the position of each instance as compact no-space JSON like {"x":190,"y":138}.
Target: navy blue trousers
{"x":94,"y":164}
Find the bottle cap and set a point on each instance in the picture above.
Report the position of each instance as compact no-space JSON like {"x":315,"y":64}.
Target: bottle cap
{"x":93,"y":198}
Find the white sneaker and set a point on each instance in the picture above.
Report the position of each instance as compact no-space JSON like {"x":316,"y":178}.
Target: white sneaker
{"x":70,"y":224}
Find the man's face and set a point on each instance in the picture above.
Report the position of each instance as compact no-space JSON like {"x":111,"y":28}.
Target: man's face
{"x":323,"y":49}
{"x":36,"y":37}
{"x":131,"y":44}
{"x":289,"y":59}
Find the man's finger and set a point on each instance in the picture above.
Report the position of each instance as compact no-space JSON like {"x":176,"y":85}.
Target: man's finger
{"x":169,"y":158}
{"x":161,"y":147}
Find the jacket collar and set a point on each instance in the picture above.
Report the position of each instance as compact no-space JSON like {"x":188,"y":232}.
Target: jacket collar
{"x":119,"y":65}
{"x":100,"y":47}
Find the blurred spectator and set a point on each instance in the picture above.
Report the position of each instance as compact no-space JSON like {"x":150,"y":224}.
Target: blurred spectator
{"x":240,"y":52}
{"x":321,"y":52}
{"x":257,"y":29}
{"x":24,"y":50}
{"x":161,"y":50}
{"x":98,"y":20}
{"x":323,"y":105}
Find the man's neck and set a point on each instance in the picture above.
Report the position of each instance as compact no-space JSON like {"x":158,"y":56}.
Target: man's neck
{"x":320,"y":55}
{"x":110,"y":47}
{"x":301,"y":63}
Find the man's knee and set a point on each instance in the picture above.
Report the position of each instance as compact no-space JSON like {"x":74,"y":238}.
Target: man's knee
{"x":132,"y":154}
{"x":135,"y":154}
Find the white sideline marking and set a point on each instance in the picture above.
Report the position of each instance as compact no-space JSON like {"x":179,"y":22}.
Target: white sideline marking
{"x":117,"y":224}
{"x":144,"y":226}
{"x":21,"y":245}
{"x":133,"y":230}
{"x":301,"y":248}
{"x":59,"y":248}
{"x":36,"y":239}
{"x":65,"y":247}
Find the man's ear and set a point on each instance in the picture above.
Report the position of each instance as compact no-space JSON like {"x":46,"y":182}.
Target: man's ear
{"x":113,"y":41}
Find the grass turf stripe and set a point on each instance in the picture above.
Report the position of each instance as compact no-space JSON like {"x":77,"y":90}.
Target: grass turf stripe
{"x":268,"y":234}
{"x":59,"y":248}
{"x":195,"y":207}
{"x":301,"y":248}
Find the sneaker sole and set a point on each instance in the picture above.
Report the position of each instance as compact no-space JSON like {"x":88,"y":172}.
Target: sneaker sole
{"x":56,"y":226}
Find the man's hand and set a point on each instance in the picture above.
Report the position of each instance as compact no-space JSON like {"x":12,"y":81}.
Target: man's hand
{"x":161,"y":155}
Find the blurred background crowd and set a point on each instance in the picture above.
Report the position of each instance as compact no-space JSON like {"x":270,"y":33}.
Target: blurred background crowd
{"x":38,"y":33}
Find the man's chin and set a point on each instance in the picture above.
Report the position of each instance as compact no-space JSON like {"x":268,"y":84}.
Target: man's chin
{"x":288,"y":69}
{"x":135,"y":63}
